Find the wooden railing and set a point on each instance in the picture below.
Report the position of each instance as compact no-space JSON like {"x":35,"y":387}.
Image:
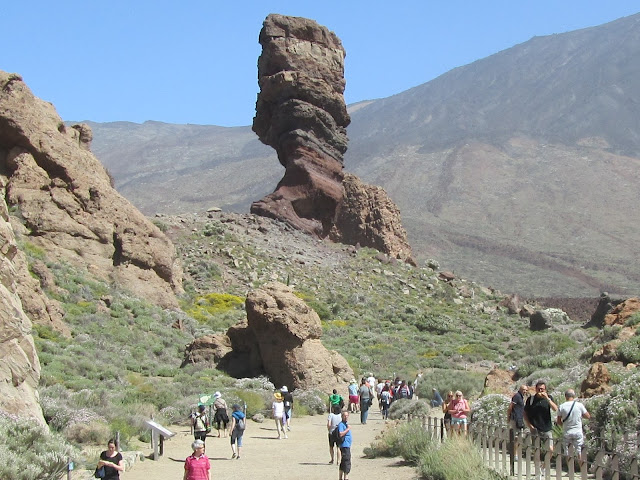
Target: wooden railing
{"x":522,"y":456}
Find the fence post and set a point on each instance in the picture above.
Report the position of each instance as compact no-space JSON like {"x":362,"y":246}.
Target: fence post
{"x":598,"y":464}
{"x":615,"y":467}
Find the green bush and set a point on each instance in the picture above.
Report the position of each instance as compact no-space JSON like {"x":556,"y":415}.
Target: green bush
{"x":491,"y":408}
{"x":29,"y":452}
{"x":445,"y":380}
{"x":629,"y":350}
{"x":405,"y":408}
{"x":455,"y":459}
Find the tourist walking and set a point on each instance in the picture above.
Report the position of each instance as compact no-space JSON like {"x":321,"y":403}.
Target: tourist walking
{"x":277,"y":410}
{"x":197,"y":465}
{"x":335,"y":399}
{"x":334,"y":418}
{"x":287,"y":399}
{"x":537,"y":414}
{"x":570,"y":415}
{"x":111,"y":462}
{"x":366,"y":400}
{"x":200,"y":423}
{"x":237,"y":428}
{"x":345,"y":448}
{"x":385,"y":401}
{"x":353,"y":396}
{"x":220,"y":416}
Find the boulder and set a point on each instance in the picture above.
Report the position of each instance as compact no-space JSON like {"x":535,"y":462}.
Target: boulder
{"x":281,"y":339}
{"x":597,"y":381}
{"x":499,"y":381}
{"x":622,"y":311}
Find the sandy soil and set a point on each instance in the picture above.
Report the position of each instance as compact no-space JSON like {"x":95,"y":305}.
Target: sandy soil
{"x":304,"y":455}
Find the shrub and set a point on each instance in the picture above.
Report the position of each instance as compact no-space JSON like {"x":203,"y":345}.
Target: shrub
{"x":29,"y":452}
{"x":313,"y":400}
{"x":443,"y":380}
{"x":255,"y":401}
{"x":491,"y":409}
{"x":404,"y":407}
{"x":629,"y":350}
{"x":454,"y":459}
{"x":92,"y":433}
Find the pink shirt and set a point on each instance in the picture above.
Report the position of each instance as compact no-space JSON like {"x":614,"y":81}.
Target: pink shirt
{"x":197,"y":467}
{"x":459,"y":407}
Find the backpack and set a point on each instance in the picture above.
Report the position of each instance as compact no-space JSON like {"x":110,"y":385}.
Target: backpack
{"x":200,"y":423}
{"x":403,"y":392}
{"x":241,"y":424}
{"x":335,"y":436}
{"x":385,"y":397}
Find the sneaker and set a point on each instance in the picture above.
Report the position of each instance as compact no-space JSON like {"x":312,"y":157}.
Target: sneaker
{"x":286,"y":436}
{"x":233,"y":456}
{"x":238,"y":457}
{"x":288,"y":428}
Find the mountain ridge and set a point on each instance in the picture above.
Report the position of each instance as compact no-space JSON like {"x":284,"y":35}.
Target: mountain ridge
{"x":532,"y":149}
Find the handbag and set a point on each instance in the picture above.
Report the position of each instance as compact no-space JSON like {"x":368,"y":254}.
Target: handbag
{"x":99,"y":473}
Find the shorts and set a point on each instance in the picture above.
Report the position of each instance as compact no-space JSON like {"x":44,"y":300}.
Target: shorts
{"x":332,"y":442}
{"x":354,"y":399}
{"x":236,"y":435}
{"x":544,"y":436}
{"x":345,"y":461}
{"x":458,"y":421}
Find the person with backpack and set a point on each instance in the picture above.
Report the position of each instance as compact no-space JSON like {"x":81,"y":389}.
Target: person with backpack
{"x":335,"y":399}
{"x":200,"y":423}
{"x":344,"y":431}
{"x":385,"y":401}
{"x":333,"y":420}
{"x":237,"y":428}
{"x":366,"y":400}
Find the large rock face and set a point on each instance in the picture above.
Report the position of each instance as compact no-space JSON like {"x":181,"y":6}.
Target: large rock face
{"x":67,"y":204}
{"x":368,"y":216}
{"x":20,"y":367}
{"x":280,"y":339}
{"x":302,"y":114}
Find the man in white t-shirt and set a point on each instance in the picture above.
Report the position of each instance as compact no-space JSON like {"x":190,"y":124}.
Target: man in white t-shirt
{"x":570,"y":415}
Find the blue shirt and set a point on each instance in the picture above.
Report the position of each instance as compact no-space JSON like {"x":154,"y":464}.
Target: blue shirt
{"x":346,"y":440}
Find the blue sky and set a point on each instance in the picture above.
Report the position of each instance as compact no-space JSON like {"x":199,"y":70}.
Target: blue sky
{"x":195,"y":61}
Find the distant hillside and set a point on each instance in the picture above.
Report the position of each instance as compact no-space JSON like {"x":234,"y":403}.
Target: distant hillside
{"x":520,"y":170}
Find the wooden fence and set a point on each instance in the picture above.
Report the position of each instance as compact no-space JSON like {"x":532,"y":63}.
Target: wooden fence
{"x":523,"y":456}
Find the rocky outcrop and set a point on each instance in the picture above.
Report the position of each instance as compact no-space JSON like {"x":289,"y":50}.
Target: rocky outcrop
{"x":281,"y":339}
{"x":20,"y":367}
{"x":302,"y":114}
{"x":597,"y":381}
{"x":499,"y":381}
{"x":368,"y":217}
{"x":66,"y":204}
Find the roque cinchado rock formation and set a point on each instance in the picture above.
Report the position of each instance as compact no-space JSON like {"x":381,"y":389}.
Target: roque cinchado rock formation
{"x":281,"y":339}
{"x":302,"y":114}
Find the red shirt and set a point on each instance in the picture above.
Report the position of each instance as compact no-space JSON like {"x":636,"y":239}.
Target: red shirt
{"x":197,"y":467}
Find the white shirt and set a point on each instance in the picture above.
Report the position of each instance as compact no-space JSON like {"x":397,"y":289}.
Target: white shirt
{"x":573,"y":423}
{"x":278,"y":409}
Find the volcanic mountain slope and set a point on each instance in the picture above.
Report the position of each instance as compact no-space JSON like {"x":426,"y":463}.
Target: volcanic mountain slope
{"x":519,"y":170}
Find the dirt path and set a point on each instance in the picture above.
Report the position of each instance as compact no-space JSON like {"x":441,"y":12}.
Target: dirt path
{"x":304,"y":455}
